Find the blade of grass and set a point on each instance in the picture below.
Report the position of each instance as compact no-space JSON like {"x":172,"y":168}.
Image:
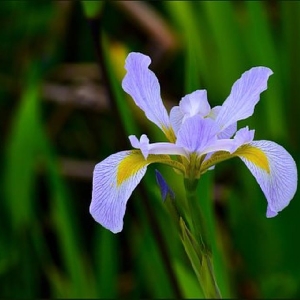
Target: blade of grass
{"x":92,"y":9}
{"x":106,"y":264}
{"x":192,"y":41}
{"x":21,"y":157}
{"x":263,"y":51}
{"x":68,"y":234}
{"x":290,"y":47}
{"x":225,"y":36}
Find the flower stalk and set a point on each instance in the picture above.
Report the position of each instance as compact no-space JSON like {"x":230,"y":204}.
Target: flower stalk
{"x":197,"y":244}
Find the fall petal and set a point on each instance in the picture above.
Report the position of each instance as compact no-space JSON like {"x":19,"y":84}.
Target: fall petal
{"x":275,"y":171}
{"x":114,"y":180}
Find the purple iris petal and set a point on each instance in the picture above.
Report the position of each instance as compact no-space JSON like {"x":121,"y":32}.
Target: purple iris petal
{"x":196,"y":133}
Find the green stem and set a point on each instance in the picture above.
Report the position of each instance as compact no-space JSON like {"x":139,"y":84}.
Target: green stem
{"x":198,"y":232}
{"x":198,"y":227}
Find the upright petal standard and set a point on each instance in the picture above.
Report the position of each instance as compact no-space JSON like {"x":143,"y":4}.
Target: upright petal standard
{"x":142,"y":85}
{"x":244,"y":96}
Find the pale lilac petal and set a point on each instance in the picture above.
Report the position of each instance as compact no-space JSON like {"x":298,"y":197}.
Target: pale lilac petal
{"x":134,"y":141}
{"x":228,"y":145}
{"x":142,"y":85}
{"x":227,"y":132}
{"x":110,"y":194}
{"x":244,"y":136}
{"x":167,"y":148}
{"x":244,"y":96}
{"x":190,"y":105}
{"x":270,"y":213}
{"x":176,"y":118}
{"x":279,"y":183}
{"x":196,"y":133}
{"x":214,"y":112}
{"x":195,"y":104}
{"x":155,"y":148}
{"x":142,"y":144}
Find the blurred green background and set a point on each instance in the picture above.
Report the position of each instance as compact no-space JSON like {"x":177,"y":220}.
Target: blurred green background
{"x":62,"y":110}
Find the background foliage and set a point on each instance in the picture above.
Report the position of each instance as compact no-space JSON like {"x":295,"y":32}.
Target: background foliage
{"x":62,"y":110}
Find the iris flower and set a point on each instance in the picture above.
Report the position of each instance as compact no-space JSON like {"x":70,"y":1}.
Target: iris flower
{"x":198,"y":137}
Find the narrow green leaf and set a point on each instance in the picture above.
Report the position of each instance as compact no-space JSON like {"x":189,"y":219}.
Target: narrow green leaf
{"x":92,"y":8}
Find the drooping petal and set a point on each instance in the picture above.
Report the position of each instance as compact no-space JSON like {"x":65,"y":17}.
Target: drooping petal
{"x":275,"y":171}
{"x":196,"y":133}
{"x":244,"y":96}
{"x":155,"y":148}
{"x":142,"y":85}
{"x":114,"y":180}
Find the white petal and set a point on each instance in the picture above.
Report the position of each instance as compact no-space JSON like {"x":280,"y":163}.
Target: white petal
{"x":275,"y":171}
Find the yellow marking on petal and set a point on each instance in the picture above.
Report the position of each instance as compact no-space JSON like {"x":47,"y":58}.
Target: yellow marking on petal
{"x":129,"y":166}
{"x":216,"y":158}
{"x":255,"y":155}
{"x":135,"y":161}
{"x":169,"y":132}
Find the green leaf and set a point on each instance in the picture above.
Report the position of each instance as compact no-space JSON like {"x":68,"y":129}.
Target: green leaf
{"x":92,"y":9}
